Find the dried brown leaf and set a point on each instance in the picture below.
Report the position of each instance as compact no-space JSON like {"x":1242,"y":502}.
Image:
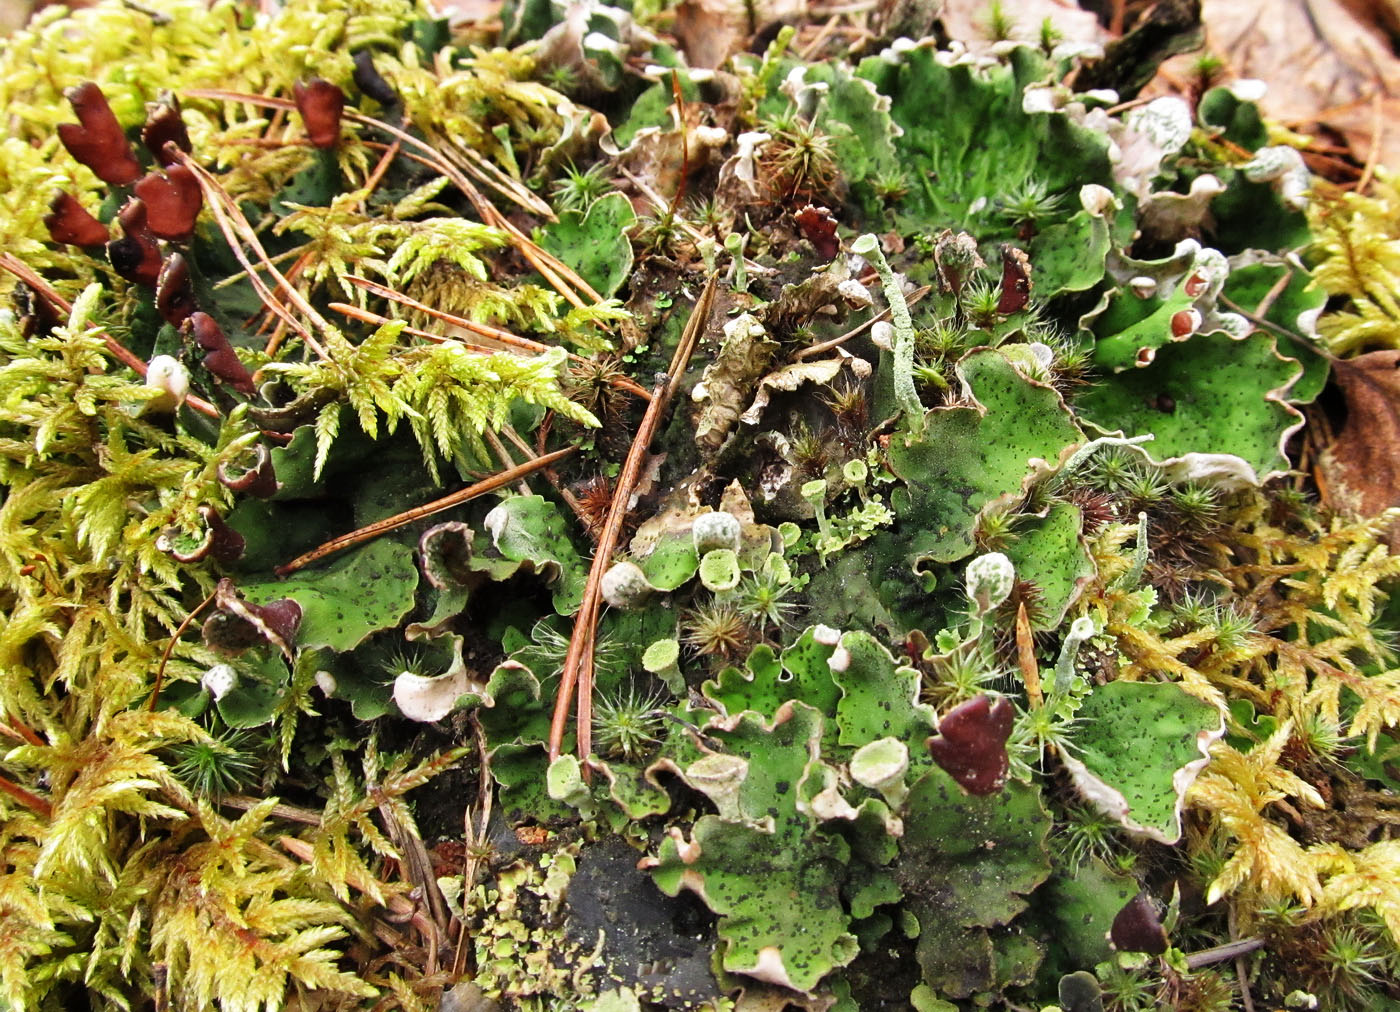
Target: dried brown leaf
{"x":1327,"y":62}
{"x":1362,"y":466}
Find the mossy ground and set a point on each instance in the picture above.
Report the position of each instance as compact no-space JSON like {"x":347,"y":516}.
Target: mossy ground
{"x":912,"y":497}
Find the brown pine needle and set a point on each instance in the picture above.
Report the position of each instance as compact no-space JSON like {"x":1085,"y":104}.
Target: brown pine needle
{"x":503,"y":455}
{"x":119,"y":351}
{"x":377,"y":176}
{"x":577,"y":673}
{"x":169,"y":647}
{"x":28,"y":799}
{"x":569,"y":498}
{"x":372,"y":531}
{"x":232,"y":223}
{"x":488,"y":173}
{"x":480,"y":329}
{"x":20,"y":731}
{"x":555,"y":271}
{"x":835,"y":342}
{"x":365,"y":316}
{"x":279,"y":333}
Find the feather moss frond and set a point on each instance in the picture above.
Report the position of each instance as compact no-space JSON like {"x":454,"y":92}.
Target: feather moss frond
{"x":1236,"y":788}
{"x":1357,"y":257}
{"x":348,"y":818}
{"x":447,"y":392}
{"x":236,"y":921}
{"x":1366,"y":878}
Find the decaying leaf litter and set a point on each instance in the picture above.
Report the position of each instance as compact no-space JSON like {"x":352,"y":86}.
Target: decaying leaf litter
{"x":795,"y":550}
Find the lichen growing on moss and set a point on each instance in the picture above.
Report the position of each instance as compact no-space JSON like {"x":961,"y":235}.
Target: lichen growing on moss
{"x":847,"y":675}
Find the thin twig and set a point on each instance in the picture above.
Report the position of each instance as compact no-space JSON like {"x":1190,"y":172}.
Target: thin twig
{"x":20,"y":731}
{"x":373,"y":530}
{"x":119,"y":351}
{"x":1241,"y":970}
{"x":475,"y":839}
{"x":554,"y":271}
{"x":485,"y":330}
{"x":416,"y":866}
{"x":679,"y":100}
{"x":503,"y":455}
{"x":216,"y":195}
{"x":28,"y":799}
{"x":1275,"y":290}
{"x":491,"y":175}
{"x":1220,"y":953}
{"x":1293,"y":336}
{"x":1131,"y":103}
{"x":375,"y":177}
{"x":1118,"y":9}
{"x":232,"y":223}
{"x":233,"y":279}
{"x":576,"y":678}
{"x":398,"y":905}
{"x":569,"y":498}
{"x":169,"y":647}
{"x":824,"y":33}
{"x":287,"y":813}
{"x":1242,"y":975}
{"x":279,"y":332}
{"x":836,"y":342}
{"x":365,"y":316}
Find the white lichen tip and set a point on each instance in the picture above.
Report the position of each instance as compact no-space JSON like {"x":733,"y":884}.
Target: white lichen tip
{"x":625,"y":585}
{"x":882,"y":335}
{"x":1078,"y":51}
{"x":600,"y":43}
{"x":711,"y":136}
{"x":878,"y":764}
{"x":1096,"y":199}
{"x":218,"y":680}
{"x":989,"y":580}
{"x":856,"y":293}
{"x":865,"y":244}
{"x":428,"y":700}
{"x":715,"y":530}
{"x":1249,"y":89}
{"x":1283,"y":166}
{"x":168,"y":374}
{"x":1044,"y":354}
{"x":495,"y":523}
{"x":1042,"y":99}
{"x":1167,"y":121}
{"x":1142,"y":286}
{"x":1082,"y":629}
